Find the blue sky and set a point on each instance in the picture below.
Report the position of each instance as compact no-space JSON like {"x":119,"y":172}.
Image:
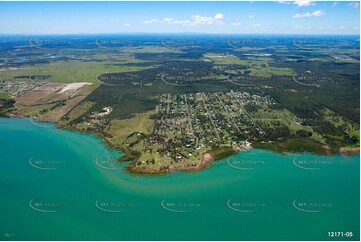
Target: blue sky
{"x":282,"y":17}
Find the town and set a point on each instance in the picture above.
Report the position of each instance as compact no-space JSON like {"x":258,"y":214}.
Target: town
{"x":190,"y":124}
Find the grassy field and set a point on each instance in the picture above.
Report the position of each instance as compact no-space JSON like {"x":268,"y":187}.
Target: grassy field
{"x":272,"y":71}
{"x":352,"y":129}
{"x":296,"y":145}
{"x":52,"y":106}
{"x":79,"y":110}
{"x":283,"y":117}
{"x":220,"y":59}
{"x":120,"y":129}
{"x":258,"y":66}
{"x":75,"y":71}
{"x":4,"y":96}
{"x":151,"y":49}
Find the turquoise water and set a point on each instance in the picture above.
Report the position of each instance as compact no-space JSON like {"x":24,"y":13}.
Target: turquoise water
{"x":52,"y":189}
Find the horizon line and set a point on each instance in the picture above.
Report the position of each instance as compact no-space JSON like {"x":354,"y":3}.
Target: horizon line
{"x":176,"y":33}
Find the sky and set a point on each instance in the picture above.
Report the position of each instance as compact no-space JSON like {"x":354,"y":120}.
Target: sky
{"x":248,"y":17}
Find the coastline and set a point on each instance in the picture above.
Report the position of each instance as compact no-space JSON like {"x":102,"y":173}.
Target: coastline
{"x":349,"y":150}
{"x":206,"y":158}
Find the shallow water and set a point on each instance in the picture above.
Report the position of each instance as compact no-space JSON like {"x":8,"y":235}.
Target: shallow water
{"x":56,"y":185}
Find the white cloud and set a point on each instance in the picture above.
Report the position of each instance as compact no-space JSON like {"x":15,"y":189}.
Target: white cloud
{"x":256,"y":25}
{"x":193,"y":20}
{"x":126,"y":25}
{"x":334,"y":4}
{"x":182,"y":22}
{"x":197,"y":19}
{"x":167,"y":19}
{"x":218,"y":16}
{"x":316,"y":13}
{"x":303,"y":3}
{"x":353,"y":4}
{"x":237,"y":23}
{"x":217,"y":19}
{"x":284,"y":2}
{"x":299,"y":3}
{"x":250,"y":16}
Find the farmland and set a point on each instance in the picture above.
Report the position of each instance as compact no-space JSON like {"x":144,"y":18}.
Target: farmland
{"x":173,"y":104}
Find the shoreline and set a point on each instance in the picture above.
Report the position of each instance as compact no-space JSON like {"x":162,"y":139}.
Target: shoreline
{"x":349,"y":150}
{"x":206,"y":158}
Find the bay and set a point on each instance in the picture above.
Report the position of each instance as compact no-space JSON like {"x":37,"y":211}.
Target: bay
{"x":60,"y":185}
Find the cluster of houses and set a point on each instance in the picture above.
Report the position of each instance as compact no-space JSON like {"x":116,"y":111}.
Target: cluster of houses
{"x":198,"y":121}
{"x":17,"y":88}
